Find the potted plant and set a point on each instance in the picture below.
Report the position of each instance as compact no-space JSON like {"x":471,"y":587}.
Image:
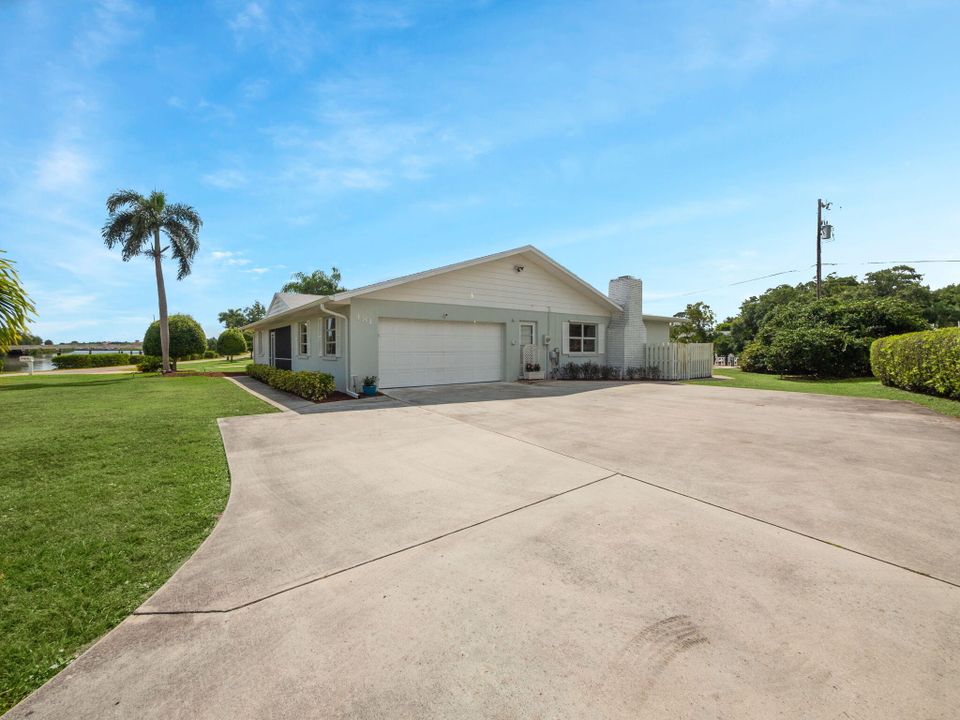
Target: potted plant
{"x":370,"y":385}
{"x":532,"y":371}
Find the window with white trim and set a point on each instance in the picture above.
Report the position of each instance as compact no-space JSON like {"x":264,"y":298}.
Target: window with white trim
{"x":330,"y":336}
{"x":304,"y":339}
{"x":582,"y":338}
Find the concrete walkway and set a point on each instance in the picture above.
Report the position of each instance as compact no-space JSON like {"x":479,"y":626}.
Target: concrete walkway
{"x":650,"y":551}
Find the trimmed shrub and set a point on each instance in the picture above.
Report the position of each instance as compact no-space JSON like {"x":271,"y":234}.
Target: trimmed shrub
{"x":925,"y":362}
{"x":186,"y":338}
{"x":150,"y":363}
{"x":305,"y":383}
{"x":78,"y":360}
{"x":209,"y":354}
{"x":231,"y":342}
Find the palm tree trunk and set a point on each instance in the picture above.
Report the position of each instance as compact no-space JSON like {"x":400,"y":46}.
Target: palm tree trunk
{"x":162,"y":296}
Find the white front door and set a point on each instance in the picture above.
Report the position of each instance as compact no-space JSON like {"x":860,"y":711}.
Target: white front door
{"x":439,"y":352}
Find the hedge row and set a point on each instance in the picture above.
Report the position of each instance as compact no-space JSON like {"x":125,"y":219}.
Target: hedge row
{"x":592,"y":371}
{"x":926,"y":362}
{"x":305,"y":383}
{"x":78,"y":360}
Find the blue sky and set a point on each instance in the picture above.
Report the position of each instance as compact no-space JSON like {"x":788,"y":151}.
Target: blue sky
{"x":685,"y":143}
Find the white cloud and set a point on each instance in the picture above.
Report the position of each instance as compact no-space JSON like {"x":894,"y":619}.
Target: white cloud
{"x":252,"y":17}
{"x":254,"y":90}
{"x":112,"y":25}
{"x":229,"y":258}
{"x":258,"y":270}
{"x":283,"y":30}
{"x":63,"y":168}
{"x":226,"y":179}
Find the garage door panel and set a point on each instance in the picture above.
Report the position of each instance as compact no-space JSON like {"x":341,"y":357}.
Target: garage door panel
{"x":431,"y":352}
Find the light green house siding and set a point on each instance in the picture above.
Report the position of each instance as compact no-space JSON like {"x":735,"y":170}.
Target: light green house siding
{"x":365,"y":314}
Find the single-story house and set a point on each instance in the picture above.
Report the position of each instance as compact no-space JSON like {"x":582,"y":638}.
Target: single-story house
{"x":481,"y":320}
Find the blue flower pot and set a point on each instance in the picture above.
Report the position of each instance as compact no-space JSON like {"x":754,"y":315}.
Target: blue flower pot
{"x":369,"y":390}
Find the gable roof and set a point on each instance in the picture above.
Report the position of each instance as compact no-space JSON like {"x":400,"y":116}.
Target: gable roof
{"x":286,"y":303}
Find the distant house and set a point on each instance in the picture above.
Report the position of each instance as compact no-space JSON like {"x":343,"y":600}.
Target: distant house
{"x":481,"y":320}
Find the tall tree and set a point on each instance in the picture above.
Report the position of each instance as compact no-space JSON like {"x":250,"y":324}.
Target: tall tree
{"x":15,"y":306}
{"x":255,"y":312}
{"x":696,"y":326}
{"x":232,"y":318}
{"x":316,"y":283}
{"x":136,"y":223}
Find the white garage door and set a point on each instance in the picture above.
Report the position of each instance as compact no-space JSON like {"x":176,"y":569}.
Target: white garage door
{"x":431,"y":352}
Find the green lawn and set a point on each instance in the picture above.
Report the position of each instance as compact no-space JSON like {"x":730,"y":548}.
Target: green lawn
{"x":238,"y":364}
{"x":107,"y":484}
{"x":853,"y":387}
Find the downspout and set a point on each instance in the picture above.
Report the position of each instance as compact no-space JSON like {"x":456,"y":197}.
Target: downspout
{"x":346,"y":353}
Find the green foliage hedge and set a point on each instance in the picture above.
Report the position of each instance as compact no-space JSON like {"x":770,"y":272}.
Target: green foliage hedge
{"x":150,"y":363}
{"x":82,"y":360}
{"x":826,"y":338}
{"x":231,"y":342}
{"x":926,"y":362}
{"x":305,"y":383}
{"x":187,"y":339}
{"x":592,"y":371}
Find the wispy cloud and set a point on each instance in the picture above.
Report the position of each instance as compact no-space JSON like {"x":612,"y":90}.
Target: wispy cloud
{"x":63,"y":167}
{"x":631,"y":226}
{"x":283,"y":29}
{"x":112,"y":24}
{"x":226,"y":179}
{"x":229,"y":258}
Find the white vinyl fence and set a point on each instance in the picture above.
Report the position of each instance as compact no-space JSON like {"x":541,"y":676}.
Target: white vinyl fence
{"x":681,"y":361}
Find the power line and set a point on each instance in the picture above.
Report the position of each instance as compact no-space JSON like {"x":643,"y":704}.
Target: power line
{"x":789,"y":272}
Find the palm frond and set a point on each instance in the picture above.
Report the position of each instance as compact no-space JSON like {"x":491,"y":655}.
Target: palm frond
{"x":15,"y":306}
{"x":124,"y":198}
{"x":183,"y":244}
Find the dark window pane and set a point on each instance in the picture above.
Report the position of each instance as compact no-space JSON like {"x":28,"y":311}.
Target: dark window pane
{"x":590,"y":331}
{"x":574,"y":345}
{"x":589,"y":345}
{"x":576,"y":330}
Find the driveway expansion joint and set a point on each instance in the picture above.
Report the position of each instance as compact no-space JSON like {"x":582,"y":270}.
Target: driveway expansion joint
{"x":717,"y":506}
{"x":370,"y":561}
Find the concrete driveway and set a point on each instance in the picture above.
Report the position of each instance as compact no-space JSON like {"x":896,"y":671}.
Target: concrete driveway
{"x":601,"y":551}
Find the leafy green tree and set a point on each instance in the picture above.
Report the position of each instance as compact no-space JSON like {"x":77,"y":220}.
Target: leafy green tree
{"x":697,"y":326}
{"x":185,"y":338}
{"x":212,"y":344}
{"x":827,"y":338}
{"x":231,"y":342}
{"x":135,"y":224}
{"x":901,"y":281}
{"x":316,"y":283}
{"x":15,"y":306}
{"x":255,"y":312}
{"x":945,"y":306}
{"x":234,"y":317}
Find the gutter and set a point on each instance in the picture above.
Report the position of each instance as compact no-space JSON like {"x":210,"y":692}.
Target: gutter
{"x":346,"y":354}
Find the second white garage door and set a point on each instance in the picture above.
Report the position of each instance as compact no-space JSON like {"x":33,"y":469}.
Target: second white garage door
{"x":431,"y":352}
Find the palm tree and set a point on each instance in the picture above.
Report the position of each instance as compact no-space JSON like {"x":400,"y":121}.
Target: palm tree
{"x":15,"y":306}
{"x":135,"y":224}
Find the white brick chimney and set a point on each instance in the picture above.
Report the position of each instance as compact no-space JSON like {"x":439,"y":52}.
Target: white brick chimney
{"x":626,"y":334}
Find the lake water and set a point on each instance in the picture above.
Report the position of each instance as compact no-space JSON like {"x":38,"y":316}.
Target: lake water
{"x":43,"y":362}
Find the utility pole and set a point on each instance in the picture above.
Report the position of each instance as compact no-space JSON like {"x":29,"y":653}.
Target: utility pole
{"x":824,"y":232}
{"x":819,"y":226}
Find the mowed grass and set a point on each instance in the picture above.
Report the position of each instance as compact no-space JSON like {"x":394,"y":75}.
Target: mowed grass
{"x":852,"y":387}
{"x":107,"y":484}
{"x":238,"y":364}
